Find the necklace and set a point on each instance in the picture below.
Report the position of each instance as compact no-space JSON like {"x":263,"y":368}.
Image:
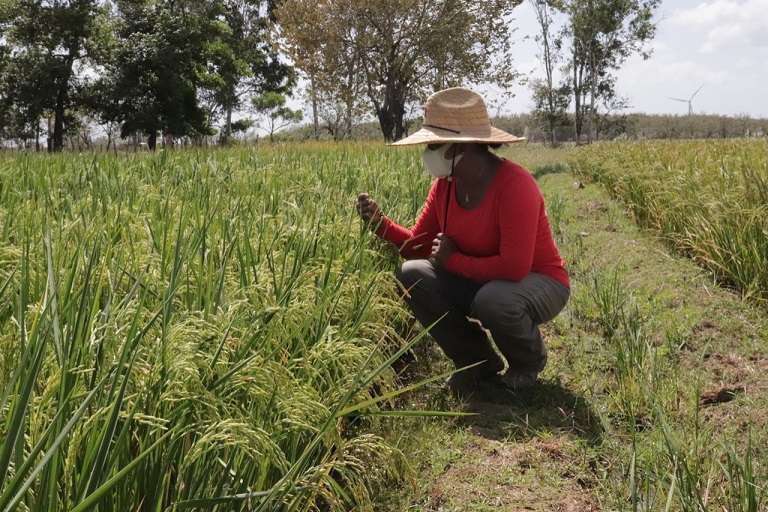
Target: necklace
{"x":486,"y":178}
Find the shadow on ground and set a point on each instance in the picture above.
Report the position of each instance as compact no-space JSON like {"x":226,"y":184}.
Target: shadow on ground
{"x":547,"y":407}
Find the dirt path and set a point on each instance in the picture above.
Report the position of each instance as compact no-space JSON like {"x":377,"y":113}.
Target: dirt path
{"x":568,"y":444}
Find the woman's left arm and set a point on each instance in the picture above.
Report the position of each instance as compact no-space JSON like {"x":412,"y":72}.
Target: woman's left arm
{"x":519,"y":207}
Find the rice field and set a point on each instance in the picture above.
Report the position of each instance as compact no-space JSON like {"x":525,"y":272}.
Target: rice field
{"x":708,"y":199}
{"x":216,"y":330}
{"x":204,"y":329}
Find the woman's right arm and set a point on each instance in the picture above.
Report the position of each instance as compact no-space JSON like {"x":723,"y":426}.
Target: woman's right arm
{"x":415,"y":242}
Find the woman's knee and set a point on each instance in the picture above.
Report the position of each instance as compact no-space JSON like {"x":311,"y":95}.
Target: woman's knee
{"x":414,"y":271}
{"x":494,"y":307}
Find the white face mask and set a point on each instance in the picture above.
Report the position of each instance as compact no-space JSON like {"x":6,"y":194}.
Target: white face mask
{"x":436,"y":163}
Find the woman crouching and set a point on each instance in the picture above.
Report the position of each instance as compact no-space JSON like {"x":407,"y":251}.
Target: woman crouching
{"x":481,"y":250}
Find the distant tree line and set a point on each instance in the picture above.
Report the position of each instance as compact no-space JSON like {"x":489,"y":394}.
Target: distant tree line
{"x":638,"y":126}
{"x":634,"y":126}
{"x":190,"y":71}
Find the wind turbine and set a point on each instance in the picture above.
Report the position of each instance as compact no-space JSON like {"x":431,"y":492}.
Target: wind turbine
{"x":689,"y":101}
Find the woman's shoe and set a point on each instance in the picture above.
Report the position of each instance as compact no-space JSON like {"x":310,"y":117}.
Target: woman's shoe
{"x":493,"y":389}
{"x":462,"y":384}
{"x":517,"y":381}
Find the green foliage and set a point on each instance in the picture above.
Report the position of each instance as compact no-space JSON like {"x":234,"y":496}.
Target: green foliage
{"x":173,"y":67}
{"x":271,"y":105}
{"x":49,"y":41}
{"x":242,"y":125}
{"x":550,"y":106}
{"x":187,"y":329}
{"x":602,"y":34}
{"x":238,"y":62}
{"x":550,"y":100}
{"x":150,"y":82}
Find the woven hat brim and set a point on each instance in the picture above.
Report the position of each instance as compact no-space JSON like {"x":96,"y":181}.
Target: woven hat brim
{"x":437,"y":135}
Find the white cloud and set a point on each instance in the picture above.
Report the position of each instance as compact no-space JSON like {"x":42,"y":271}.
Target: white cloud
{"x":722,"y":44}
{"x":725,"y":24}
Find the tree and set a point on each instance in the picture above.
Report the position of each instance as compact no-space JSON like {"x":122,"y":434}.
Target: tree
{"x":4,"y":60}
{"x":320,"y":40}
{"x":49,"y":41}
{"x":241,"y":126}
{"x":150,"y":79}
{"x":550,"y":101}
{"x":25,"y":97}
{"x":240,"y":60}
{"x":402,"y":49}
{"x":340,"y":87}
{"x":602,"y":34}
{"x":550,"y":107}
{"x":272,"y":106}
{"x":613,"y":121}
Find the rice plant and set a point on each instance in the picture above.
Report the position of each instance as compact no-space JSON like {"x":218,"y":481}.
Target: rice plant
{"x":609,"y":296}
{"x":196,"y":329}
{"x":556,"y":208}
{"x":706,"y":198}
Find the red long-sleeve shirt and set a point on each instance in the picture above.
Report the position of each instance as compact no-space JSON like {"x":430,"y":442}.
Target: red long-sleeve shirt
{"x":505,"y":237}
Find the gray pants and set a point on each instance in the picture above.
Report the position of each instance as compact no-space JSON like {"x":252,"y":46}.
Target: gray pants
{"x":511,"y":311}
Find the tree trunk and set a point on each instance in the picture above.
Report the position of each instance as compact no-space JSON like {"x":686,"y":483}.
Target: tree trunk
{"x":58,"y":120}
{"x":61,"y":100}
{"x":227,"y":127}
{"x":315,"y":120}
{"x":392,"y":113}
{"x":592,"y":94}
{"x":576,"y":99}
{"x":348,"y":122}
{"x":580,"y":99}
{"x":592,"y":136}
{"x":348,"y":115}
{"x":49,"y":136}
{"x":349,"y":98}
{"x":152,"y":140}
{"x":541,"y":9}
{"x":550,"y":90}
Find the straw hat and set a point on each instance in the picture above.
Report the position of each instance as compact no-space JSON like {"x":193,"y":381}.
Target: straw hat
{"x":457,"y":115}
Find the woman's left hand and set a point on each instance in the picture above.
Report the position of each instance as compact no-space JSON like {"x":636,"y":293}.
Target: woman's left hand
{"x":442,"y":248}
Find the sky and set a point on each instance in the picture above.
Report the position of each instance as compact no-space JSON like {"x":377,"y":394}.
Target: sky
{"x":720,"y":44}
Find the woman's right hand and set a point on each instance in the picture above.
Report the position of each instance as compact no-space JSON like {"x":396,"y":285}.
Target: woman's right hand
{"x":368,"y":209}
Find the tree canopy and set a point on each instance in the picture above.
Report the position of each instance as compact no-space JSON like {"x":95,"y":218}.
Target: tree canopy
{"x":45,"y":43}
{"x":176,"y":67}
{"x":602,"y":35}
{"x":399,"y":50}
